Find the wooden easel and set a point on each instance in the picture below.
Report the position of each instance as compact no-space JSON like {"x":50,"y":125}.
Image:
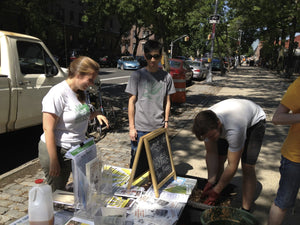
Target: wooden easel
{"x":157,"y":149}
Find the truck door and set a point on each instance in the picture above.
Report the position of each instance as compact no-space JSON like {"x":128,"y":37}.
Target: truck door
{"x":37,"y":74}
{"x":4,"y":99}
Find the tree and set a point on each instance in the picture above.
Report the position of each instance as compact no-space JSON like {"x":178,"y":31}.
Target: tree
{"x":33,"y":23}
{"x":273,"y":22}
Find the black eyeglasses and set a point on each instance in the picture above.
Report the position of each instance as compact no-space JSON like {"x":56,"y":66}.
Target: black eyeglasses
{"x":149,"y":56}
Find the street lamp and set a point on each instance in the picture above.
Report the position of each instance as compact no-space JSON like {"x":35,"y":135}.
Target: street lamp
{"x":172,"y":43}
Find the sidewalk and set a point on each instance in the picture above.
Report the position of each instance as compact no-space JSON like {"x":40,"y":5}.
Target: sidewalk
{"x":266,"y":89}
{"x":259,"y":85}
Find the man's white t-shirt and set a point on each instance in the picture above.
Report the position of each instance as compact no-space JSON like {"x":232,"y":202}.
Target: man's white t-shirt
{"x":236,"y":116}
{"x":62,"y":101}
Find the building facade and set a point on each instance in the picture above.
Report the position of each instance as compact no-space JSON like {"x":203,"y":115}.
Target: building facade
{"x":129,"y":42}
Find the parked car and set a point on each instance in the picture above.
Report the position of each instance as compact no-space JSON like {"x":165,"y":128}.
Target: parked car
{"x":107,"y":61}
{"x":75,"y":53}
{"x":216,"y":64}
{"x":228,"y":61}
{"x":128,"y":63}
{"x":65,"y":60}
{"x":199,"y":70}
{"x":180,"y":57}
{"x":141,"y":60}
{"x":204,"y":61}
{"x":179,"y":66}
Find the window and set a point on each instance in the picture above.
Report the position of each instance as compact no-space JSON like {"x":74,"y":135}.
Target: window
{"x":34,"y":60}
{"x":175,"y":64}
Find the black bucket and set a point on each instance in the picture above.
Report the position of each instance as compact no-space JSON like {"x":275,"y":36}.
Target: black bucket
{"x":227,"y":216}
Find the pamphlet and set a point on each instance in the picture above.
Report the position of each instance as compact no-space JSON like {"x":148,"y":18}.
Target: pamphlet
{"x":175,"y":190}
{"x":63,"y":200}
{"x":134,"y":192}
{"x":93,"y":171}
{"x":119,"y":202}
{"x":150,"y":210}
{"x":79,"y":221}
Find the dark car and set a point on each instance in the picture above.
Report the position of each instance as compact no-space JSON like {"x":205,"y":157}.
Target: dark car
{"x":228,"y":61}
{"x":141,"y":60}
{"x":65,"y":60}
{"x":216,"y":64}
{"x":108,"y":61}
{"x":180,"y":57}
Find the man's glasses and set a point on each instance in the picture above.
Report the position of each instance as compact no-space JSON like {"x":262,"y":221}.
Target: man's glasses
{"x":149,"y":56}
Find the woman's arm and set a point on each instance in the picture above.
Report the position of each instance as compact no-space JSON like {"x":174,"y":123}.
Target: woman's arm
{"x":49,"y":124}
{"x":282,"y":116}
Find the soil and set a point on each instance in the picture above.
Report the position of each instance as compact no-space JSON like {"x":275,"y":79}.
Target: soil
{"x":224,"y":200}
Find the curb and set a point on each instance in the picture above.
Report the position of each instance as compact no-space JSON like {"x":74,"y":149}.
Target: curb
{"x":21,"y":171}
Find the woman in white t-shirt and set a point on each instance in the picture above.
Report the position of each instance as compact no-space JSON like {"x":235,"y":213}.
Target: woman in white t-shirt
{"x":65,"y":120}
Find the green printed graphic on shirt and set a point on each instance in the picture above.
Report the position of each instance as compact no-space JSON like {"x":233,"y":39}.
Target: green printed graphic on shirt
{"x":152,"y":89}
{"x":82,"y":112}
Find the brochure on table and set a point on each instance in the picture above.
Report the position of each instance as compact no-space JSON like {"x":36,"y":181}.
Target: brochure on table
{"x":141,"y":206}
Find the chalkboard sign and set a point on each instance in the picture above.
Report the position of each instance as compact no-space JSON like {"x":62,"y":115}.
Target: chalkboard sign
{"x":156,"y":147}
{"x":141,"y":167}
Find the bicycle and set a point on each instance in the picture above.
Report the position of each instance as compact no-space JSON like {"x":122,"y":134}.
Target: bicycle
{"x":95,"y":101}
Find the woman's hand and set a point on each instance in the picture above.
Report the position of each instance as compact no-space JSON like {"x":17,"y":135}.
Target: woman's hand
{"x":54,"y":168}
{"x":102,"y":119}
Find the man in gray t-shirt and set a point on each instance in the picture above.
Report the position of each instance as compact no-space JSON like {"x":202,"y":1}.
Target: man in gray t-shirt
{"x":149,"y":92}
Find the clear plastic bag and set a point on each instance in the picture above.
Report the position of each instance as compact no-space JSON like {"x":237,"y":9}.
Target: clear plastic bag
{"x":92,"y":184}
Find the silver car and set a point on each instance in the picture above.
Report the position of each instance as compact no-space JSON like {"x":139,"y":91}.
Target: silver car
{"x":200,"y":71}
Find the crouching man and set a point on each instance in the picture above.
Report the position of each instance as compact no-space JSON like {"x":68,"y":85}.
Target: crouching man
{"x":232,"y":129}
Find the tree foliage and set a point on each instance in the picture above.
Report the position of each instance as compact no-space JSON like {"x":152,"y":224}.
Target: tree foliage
{"x":241,"y":23}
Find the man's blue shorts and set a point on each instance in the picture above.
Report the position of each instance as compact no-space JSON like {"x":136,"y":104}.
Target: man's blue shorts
{"x":289,"y":184}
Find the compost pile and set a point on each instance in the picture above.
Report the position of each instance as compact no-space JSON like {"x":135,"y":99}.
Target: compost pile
{"x":197,"y":202}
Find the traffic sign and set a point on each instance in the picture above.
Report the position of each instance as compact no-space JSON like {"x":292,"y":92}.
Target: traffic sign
{"x":214,"y":19}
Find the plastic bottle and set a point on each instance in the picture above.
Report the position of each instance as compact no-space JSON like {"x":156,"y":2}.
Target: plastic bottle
{"x":40,"y":204}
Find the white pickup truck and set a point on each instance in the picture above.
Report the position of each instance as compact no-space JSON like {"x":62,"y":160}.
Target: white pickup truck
{"x":27,"y":71}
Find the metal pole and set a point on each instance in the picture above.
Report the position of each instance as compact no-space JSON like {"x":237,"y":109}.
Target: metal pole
{"x":209,"y":77}
{"x":171,"y":49}
{"x":172,"y":43}
{"x":240,"y":39}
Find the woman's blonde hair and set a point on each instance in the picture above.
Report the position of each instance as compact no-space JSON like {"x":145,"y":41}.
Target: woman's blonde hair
{"x":83,"y":65}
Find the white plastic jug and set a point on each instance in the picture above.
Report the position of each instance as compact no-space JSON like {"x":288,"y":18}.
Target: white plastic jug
{"x":40,"y":204}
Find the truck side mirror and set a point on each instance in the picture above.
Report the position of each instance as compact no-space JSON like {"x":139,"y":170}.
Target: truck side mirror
{"x":51,"y":71}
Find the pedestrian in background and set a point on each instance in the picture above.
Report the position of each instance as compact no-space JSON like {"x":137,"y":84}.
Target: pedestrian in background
{"x":232,"y":129}
{"x":65,"y":120}
{"x":149,"y":92}
{"x":288,"y":113}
